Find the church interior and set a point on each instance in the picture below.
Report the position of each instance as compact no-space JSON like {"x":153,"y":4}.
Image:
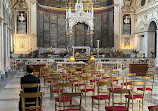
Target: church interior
{"x":80,"y":48}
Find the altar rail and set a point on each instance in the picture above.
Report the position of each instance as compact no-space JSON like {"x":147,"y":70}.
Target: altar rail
{"x":123,"y":63}
{"x":108,"y":63}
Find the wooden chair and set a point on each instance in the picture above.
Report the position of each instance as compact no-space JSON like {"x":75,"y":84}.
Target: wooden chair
{"x":129,"y":78}
{"x":117,"y":106}
{"x":61,"y":89}
{"x":54,"y":85}
{"x":103,"y":94}
{"x":150,"y":85}
{"x":118,"y":80}
{"x":73,"y":106}
{"x":137,"y":95}
{"x":35,"y":106}
{"x":80,"y":83}
{"x":88,"y":87}
{"x":47,"y":78}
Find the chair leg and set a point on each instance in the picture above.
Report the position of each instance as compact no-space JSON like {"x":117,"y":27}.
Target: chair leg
{"x":92,"y":103}
{"x":55,"y":106}
{"x":132,"y":105}
{"x":151,"y":97}
{"x":98,"y":105}
{"x":143,"y":105}
{"x":139,"y":104}
{"x":85,"y":100}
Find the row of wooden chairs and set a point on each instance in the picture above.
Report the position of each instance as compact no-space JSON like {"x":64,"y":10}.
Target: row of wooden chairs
{"x":70,"y":75}
{"x":105,"y":95}
{"x":85,"y":91}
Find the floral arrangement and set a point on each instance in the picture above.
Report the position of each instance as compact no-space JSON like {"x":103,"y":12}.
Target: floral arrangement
{"x":135,"y":51}
{"x":119,"y":51}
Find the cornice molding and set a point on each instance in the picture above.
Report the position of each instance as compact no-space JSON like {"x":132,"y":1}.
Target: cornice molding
{"x":148,"y":9}
{"x":33,"y":1}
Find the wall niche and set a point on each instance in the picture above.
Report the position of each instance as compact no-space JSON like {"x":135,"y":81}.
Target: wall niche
{"x":127,"y":24}
{"x":22,"y":22}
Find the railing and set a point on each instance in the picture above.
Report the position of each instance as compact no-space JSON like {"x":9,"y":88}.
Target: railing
{"x":109,"y":63}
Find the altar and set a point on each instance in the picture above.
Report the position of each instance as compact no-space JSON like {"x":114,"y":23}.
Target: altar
{"x":67,"y":64}
{"x":81,"y":53}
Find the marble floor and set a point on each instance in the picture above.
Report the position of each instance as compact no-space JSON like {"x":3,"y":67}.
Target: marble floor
{"x":9,"y":96}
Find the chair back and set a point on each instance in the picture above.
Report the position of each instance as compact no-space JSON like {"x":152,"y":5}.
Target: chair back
{"x":89,"y":82}
{"x":108,"y":71}
{"x":73,"y":105}
{"x":36,"y":105}
{"x":129,"y":78}
{"x":64,"y":85}
{"x":34,"y":87}
{"x":122,"y":93}
{"x":118,"y":80}
{"x":150,"y":79}
{"x":103,"y":87}
{"x":105,"y":76}
{"x":138,"y":92}
{"x":115,"y":73}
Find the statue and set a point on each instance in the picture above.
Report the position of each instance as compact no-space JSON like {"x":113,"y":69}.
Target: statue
{"x":126,"y":20}
{"x":21,"y":17}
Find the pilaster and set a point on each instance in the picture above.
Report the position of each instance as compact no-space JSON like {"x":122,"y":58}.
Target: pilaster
{"x":5,"y":45}
{"x":2,"y":71}
{"x":146,"y":44}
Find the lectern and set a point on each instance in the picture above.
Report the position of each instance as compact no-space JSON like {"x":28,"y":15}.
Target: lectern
{"x":139,"y":69}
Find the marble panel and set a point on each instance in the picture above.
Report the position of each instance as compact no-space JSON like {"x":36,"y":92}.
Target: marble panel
{"x":97,"y":27}
{"x":40,"y":30}
{"x":53,"y":35}
{"x":46,"y":35}
{"x":111,"y":29}
{"x":61,"y":31}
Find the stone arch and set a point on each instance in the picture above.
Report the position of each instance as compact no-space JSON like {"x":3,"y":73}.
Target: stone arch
{"x":152,"y":20}
{"x":152,"y":37}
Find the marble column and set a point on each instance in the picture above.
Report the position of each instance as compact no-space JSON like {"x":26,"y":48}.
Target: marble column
{"x":91,"y":39}
{"x":146,"y":44}
{"x":2,"y":71}
{"x":156,"y":61}
{"x":8,"y":50}
{"x":69,"y":44}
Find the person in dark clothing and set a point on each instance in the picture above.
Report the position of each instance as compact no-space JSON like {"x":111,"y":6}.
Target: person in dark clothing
{"x":28,"y":79}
